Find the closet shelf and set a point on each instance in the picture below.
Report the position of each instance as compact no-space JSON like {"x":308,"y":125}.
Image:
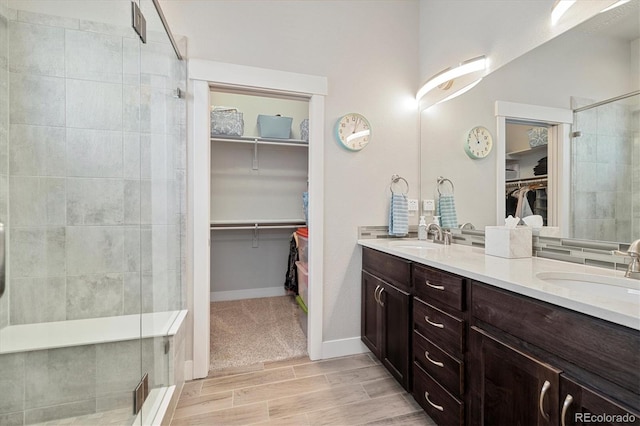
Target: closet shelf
{"x":527,"y":151}
{"x":261,"y":141}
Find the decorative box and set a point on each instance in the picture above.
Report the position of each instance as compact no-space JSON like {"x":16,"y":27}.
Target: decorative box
{"x":511,"y":243}
{"x":226,"y":121}
{"x":274,"y":126}
{"x":304,"y":130}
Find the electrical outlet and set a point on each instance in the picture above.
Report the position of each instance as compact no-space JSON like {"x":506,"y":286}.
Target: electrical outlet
{"x":428,"y":205}
{"x":413,"y":205}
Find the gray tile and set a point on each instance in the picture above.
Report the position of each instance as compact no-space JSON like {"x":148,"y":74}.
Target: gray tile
{"x":37,"y":201}
{"x":36,"y":49}
{"x":94,"y":153}
{"x":12,"y":419}
{"x":131,"y":61}
{"x":38,"y":100}
{"x":153,"y":110}
{"x":131,"y":108}
{"x":36,"y":300}
{"x":62,"y":411}
{"x":93,"y":56}
{"x":118,"y":366}
{"x":12,"y":383}
{"x":37,"y":252}
{"x":95,"y":201}
{"x":37,"y":150}
{"x":94,"y":296}
{"x":94,"y":249}
{"x":116,"y":30}
{"x":114,"y":402}
{"x":132,"y":298}
{"x":93,"y":105}
{"x":132,"y":235}
{"x":132,"y":155}
{"x":605,"y":206}
{"x":58,"y":376}
{"x":156,"y":58}
{"x":132,"y":202}
{"x":46,"y":19}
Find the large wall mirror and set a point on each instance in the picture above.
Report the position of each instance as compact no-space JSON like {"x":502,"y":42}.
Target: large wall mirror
{"x":592,"y":182}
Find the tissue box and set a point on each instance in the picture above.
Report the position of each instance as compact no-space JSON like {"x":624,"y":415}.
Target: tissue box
{"x":506,"y":242}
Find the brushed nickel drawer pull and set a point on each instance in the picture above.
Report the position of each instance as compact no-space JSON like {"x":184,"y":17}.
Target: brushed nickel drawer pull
{"x":375,"y":294}
{"x":437,"y":407}
{"x":543,"y":392}
{"x":438,"y":363}
{"x":380,"y":297}
{"x":437,"y":287}
{"x":567,"y":403}
{"x":435,"y":324}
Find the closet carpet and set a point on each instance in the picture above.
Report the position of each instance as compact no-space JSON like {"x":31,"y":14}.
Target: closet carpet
{"x":253,"y":331}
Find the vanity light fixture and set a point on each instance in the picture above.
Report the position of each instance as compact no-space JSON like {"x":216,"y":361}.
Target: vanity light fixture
{"x":613,"y":6}
{"x":443,"y":77}
{"x":460,"y":92}
{"x":559,"y":8}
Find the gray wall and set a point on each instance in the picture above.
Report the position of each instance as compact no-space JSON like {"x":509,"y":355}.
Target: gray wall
{"x":4,"y":135}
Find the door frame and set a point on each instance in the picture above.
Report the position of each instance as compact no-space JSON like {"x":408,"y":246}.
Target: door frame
{"x":202,"y":73}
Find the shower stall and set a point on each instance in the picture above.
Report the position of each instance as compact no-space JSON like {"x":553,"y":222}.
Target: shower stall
{"x":92,"y":207}
{"x":606,"y":168}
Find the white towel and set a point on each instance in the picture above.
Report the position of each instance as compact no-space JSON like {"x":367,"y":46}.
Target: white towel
{"x":399,"y":215}
{"x":447,"y":211}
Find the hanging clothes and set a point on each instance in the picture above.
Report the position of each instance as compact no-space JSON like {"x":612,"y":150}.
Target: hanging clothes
{"x":291,"y":277}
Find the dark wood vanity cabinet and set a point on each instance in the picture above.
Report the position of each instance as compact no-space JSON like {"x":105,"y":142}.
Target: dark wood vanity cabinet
{"x":439,"y":331}
{"x":471,"y":353}
{"x":386,"y":311}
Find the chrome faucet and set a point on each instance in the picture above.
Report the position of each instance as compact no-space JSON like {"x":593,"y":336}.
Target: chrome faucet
{"x":633,"y":270}
{"x":443,"y":237}
{"x":467,"y":225}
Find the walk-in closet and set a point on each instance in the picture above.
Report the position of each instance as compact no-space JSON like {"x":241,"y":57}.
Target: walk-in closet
{"x":259,"y":184}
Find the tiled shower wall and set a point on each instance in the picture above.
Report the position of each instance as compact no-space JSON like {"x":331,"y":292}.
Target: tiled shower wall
{"x":606,"y":172}
{"x":4,"y":137}
{"x":96,"y":170}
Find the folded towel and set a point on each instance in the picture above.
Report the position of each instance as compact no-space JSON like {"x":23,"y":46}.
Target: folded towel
{"x":399,"y":215}
{"x":446,"y":209}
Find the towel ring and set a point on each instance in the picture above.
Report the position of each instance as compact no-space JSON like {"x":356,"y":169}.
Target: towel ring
{"x":442,"y":180}
{"x":396,"y":179}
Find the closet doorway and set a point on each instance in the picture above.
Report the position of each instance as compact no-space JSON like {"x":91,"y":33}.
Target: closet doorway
{"x":216,"y":203}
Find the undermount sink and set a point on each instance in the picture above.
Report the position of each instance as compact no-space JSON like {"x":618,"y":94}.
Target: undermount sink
{"x":415,"y":244}
{"x":613,"y":286}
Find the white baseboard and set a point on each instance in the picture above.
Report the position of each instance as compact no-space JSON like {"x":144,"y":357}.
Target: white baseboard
{"x":252,"y":293}
{"x":188,"y":370}
{"x":343,"y":347}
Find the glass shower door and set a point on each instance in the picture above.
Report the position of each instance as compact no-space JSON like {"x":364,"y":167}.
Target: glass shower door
{"x":70,"y":342}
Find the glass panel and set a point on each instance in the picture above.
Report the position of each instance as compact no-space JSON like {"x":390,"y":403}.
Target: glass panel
{"x":69,"y":197}
{"x":162,"y":192}
{"x":606,"y":171}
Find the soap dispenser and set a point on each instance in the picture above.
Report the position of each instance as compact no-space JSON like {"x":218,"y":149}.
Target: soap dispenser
{"x":422,"y":229}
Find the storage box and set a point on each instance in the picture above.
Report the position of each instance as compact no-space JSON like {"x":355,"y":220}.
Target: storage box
{"x":303,"y":282}
{"x":274,"y":126}
{"x":303,"y":246}
{"x":226,"y":122}
{"x":511,"y":243}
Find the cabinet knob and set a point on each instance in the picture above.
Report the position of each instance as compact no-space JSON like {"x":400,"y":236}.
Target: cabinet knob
{"x":543,"y":392}
{"x":565,"y":406}
{"x":437,"y":287}
{"x":435,"y":324}
{"x":437,"y":407}
{"x":438,"y":363}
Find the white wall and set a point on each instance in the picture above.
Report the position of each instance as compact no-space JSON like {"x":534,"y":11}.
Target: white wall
{"x":570,"y":65}
{"x":368,"y":50}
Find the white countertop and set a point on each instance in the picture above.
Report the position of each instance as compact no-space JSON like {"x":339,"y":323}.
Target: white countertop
{"x":620,"y":306}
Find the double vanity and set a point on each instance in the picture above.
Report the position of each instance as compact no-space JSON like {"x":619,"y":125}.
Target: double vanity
{"x":482,"y":340}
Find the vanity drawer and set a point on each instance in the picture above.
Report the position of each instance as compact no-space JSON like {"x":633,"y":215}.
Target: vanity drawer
{"x":439,"y":327}
{"x":444,"y":368}
{"x":437,"y":287}
{"x":439,"y":404}
{"x":390,"y":268}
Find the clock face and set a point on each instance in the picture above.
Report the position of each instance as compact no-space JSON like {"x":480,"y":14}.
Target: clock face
{"x":353,"y":131}
{"x":479,"y":143}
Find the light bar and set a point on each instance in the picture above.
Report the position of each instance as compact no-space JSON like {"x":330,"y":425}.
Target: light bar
{"x":467,"y":67}
{"x":559,"y":9}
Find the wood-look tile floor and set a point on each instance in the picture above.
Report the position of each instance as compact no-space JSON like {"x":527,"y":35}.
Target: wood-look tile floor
{"x":353,"y":390}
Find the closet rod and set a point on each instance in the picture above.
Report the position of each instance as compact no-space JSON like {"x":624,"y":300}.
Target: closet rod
{"x":529,"y":181}
{"x":240,"y":226}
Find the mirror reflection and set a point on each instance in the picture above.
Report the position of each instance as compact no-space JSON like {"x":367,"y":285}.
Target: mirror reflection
{"x":595,"y":61}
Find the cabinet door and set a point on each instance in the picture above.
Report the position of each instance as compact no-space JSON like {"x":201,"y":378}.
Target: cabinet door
{"x":581,"y":405}
{"x":370,"y":313}
{"x":513,"y":387}
{"x":396,"y":332}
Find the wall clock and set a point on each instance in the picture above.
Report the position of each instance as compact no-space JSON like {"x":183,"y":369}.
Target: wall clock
{"x":353,"y":131}
{"x":478,"y":143}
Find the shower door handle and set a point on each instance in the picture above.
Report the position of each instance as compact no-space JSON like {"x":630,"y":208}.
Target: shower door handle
{"x":2,"y":260}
